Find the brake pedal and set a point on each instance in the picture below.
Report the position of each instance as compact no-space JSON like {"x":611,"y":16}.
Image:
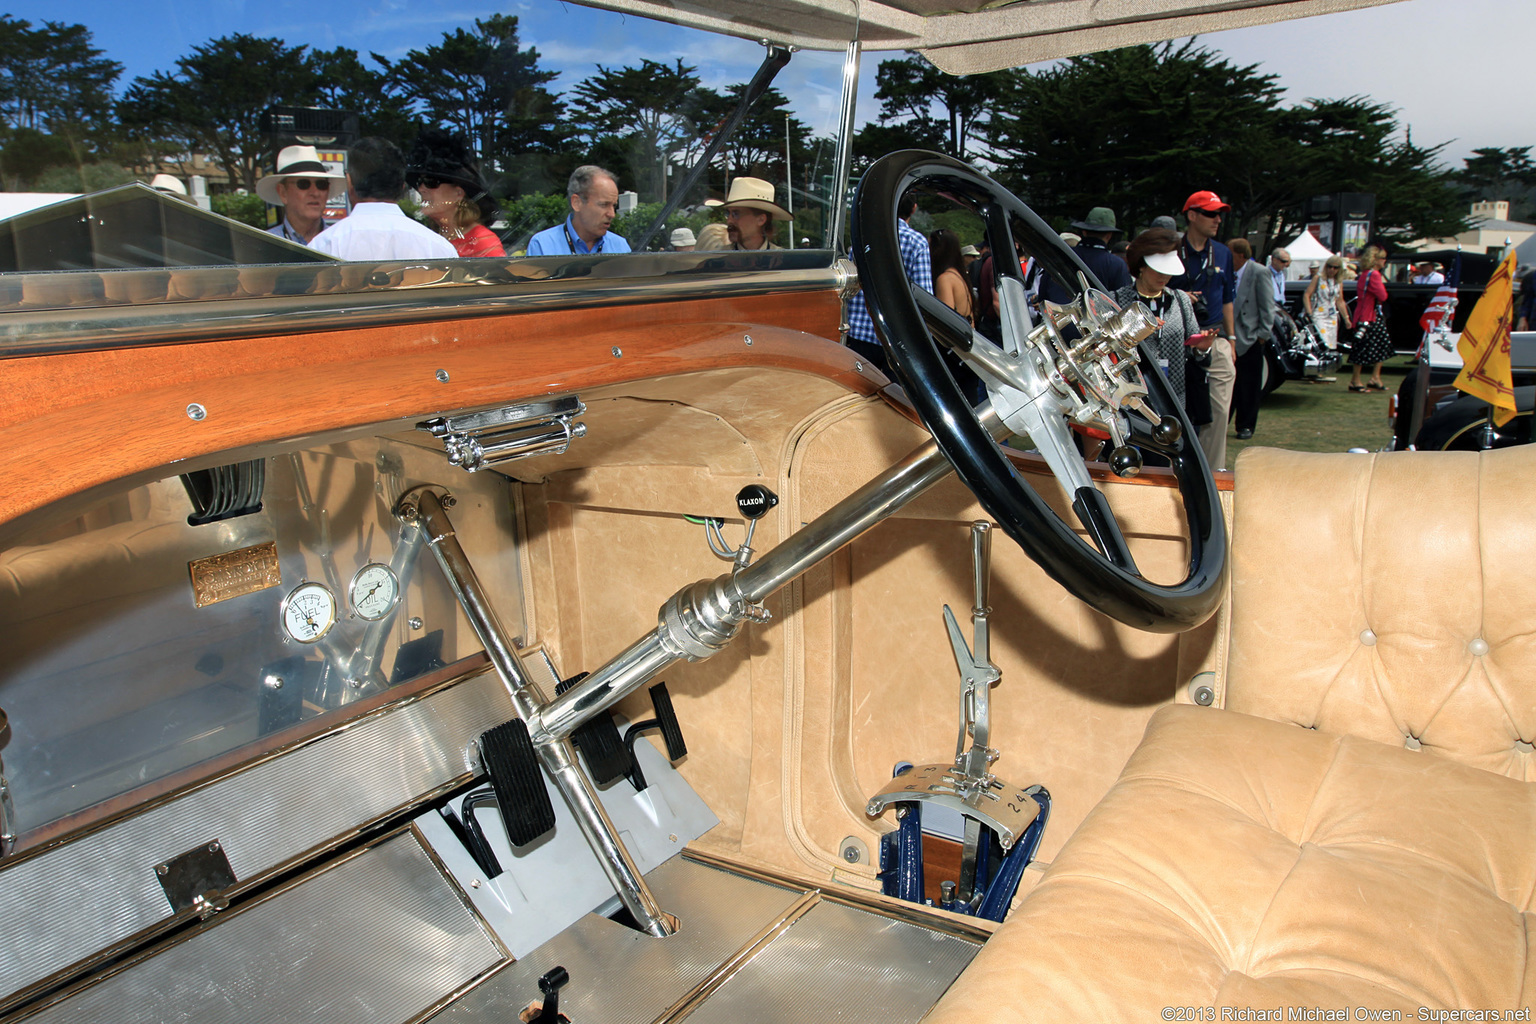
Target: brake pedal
{"x":510,"y":761}
{"x":599,"y":741}
{"x":666,"y":720}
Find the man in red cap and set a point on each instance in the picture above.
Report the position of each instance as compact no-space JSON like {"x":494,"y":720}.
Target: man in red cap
{"x":1210,"y":282}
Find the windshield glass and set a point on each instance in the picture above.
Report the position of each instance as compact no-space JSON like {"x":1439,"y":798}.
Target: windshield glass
{"x":179,"y":135}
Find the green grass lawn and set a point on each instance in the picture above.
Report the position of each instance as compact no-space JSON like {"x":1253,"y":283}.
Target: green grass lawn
{"x":1306,"y":417}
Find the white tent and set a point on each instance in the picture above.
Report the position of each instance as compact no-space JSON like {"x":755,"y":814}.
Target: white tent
{"x":1305,"y":251}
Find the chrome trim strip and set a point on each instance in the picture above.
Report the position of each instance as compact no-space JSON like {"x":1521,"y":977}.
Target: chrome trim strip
{"x":970,"y":929}
{"x":458,"y":890}
{"x":451,"y":675}
{"x":64,"y":311}
{"x":460,"y":992}
{"x":60,"y":1003}
{"x":739,"y":959}
{"x":267,"y":817}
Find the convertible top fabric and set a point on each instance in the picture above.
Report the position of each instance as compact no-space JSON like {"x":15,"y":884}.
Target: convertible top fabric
{"x":965,"y":37}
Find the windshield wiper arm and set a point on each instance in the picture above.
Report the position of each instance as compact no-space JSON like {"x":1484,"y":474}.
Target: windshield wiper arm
{"x":778,"y":56}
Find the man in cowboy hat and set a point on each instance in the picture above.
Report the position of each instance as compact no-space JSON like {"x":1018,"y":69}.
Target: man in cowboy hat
{"x":1097,"y":231}
{"x":301,"y":185}
{"x":594,"y":197}
{"x":750,"y":212}
{"x":377,"y":229}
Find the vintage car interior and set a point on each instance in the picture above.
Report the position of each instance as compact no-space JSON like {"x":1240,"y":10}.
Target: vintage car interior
{"x":597,"y":638}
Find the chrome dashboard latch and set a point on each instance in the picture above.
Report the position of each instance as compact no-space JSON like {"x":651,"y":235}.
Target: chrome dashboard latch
{"x":478,"y":440}
{"x":196,"y":880}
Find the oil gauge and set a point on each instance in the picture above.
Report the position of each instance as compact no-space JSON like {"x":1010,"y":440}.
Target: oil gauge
{"x":374,"y":591}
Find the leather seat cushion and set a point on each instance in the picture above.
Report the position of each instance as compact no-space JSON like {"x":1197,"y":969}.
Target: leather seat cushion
{"x":1250,"y":863}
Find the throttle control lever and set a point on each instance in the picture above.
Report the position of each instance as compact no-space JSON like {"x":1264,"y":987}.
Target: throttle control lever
{"x":549,"y":1013}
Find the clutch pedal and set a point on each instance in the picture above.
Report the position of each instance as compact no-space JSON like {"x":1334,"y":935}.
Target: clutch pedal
{"x":599,"y":741}
{"x":510,"y":761}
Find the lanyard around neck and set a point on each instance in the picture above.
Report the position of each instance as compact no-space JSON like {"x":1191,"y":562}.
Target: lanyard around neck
{"x":570,"y":240}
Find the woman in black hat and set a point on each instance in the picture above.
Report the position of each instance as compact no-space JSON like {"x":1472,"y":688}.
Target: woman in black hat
{"x":454,"y":196}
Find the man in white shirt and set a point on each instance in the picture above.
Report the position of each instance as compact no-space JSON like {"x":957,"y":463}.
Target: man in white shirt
{"x":377,"y":229}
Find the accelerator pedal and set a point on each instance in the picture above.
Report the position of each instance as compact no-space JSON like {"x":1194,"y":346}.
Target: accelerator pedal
{"x":599,"y":741}
{"x":510,"y":761}
{"x":671,"y":734}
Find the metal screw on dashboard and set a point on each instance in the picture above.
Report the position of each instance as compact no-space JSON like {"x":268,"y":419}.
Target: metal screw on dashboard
{"x":858,"y":366}
{"x":852,"y":854}
{"x":442,"y":376}
{"x":618,"y":353}
{"x":196,"y":412}
{"x":414,"y":622}
{"x":747,"y":338}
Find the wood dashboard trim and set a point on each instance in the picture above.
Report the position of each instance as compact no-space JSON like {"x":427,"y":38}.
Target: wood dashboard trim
{"x":76,"y":420}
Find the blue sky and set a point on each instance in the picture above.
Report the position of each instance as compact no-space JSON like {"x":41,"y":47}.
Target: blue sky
{"x":1451,"y":67}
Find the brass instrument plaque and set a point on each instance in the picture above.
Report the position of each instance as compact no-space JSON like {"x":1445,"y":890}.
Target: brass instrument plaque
{"x":234,"y":573}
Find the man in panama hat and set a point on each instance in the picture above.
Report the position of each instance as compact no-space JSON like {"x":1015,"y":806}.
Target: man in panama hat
{"x":302,"y":185}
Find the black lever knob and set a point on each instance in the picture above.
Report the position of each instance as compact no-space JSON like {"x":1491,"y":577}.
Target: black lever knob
{"x":1125,"y":461}
{"x":550,"y":984}
{"x":754,"y":501}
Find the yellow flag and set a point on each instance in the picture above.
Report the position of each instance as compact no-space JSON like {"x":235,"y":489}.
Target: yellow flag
{"x":1484,"y":345}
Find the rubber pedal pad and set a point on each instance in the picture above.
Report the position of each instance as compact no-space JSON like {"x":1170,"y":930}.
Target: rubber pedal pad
{"x":510,"y":761}
{"x":666,"y":718}
{"x":599,"y":741}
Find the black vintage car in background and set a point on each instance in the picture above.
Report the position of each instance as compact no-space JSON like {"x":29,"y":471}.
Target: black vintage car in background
{"x":1406,"y":301}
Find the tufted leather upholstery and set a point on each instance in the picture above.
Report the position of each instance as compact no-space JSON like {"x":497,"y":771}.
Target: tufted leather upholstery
{"x":1390,"y":597}
{"x":1243,"y":862}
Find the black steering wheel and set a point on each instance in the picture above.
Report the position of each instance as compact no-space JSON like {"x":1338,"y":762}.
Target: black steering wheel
{"x":1036,"y":379}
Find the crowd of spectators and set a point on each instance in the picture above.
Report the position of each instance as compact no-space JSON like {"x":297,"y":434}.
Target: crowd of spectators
{"x":1217,"y":304}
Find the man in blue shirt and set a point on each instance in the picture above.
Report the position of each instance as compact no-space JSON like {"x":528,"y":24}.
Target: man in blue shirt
{"x":1098,"y":233}
{"x":1208,"y":276}
{"x":917,"y":261}
{"x":594,"y":197}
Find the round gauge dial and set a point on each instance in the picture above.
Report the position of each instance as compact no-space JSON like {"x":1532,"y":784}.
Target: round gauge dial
{"x":374,"y":591}
{"x":309,"y":612}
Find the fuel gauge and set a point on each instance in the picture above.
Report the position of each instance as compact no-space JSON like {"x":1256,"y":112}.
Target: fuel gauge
{"x":308,"y":612}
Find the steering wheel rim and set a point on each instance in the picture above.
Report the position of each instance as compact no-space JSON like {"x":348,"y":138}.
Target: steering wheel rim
{"x":1104,"y":575}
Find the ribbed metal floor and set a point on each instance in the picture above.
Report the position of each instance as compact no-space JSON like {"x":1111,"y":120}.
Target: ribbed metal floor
{"x":746,"y":951}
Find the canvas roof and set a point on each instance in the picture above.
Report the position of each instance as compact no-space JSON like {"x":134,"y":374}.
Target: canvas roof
{"x":965,"y":37}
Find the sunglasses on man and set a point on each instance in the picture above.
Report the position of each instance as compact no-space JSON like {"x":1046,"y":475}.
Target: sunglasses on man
{"x":308,"y":184}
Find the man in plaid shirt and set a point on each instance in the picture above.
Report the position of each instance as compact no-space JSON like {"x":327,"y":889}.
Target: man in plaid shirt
{"x":917,"y":261}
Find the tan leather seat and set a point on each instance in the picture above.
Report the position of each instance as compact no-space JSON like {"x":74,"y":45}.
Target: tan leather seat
{"x":1355,"y":829}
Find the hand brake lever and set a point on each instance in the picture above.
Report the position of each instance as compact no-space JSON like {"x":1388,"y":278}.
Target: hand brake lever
{"x":977,"y":673}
